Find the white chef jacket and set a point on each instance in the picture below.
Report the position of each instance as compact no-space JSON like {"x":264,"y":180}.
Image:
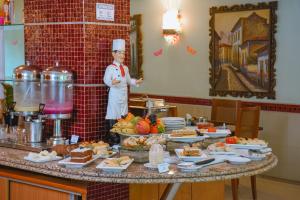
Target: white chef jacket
{"x":118,"y":95}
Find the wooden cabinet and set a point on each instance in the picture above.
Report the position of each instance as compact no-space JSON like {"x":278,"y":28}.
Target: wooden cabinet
{"x":21,"y":191}
{"x":4,"y":189}
{"x":187,"y":191}
{"x":22,"y":185}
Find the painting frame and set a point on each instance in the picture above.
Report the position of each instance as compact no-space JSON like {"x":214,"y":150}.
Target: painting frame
{"x":261,"y":83}
{"x":136,"y":47}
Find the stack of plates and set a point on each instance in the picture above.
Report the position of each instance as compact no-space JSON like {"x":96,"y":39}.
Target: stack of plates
{"x":173,"y":123}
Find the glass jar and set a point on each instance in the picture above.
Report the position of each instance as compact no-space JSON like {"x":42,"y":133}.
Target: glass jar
{"x":27,"y":88}
{"x":57,"y":90}
{"x":156,"y":154}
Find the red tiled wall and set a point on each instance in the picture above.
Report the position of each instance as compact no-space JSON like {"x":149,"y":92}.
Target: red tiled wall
{"x":98,"y":41}
{"x":109,"y":191}
{"x":36,"y":11}
{"x":84,"y":48}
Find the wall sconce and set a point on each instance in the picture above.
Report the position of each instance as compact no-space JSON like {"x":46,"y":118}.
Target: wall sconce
{"x":171,"y":26}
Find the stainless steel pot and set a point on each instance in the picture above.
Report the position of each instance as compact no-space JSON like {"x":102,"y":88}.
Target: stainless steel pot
{"x":34,"y":130}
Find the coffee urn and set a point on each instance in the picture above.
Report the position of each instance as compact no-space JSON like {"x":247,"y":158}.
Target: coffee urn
{"x":57,"y":95}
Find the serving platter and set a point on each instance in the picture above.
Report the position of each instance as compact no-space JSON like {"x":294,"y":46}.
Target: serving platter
{"x":248,"y":146}
{"x":43,"y":159}
{"x":118,"y":169}
{"x":190,"y":158}
{"x":238,"y":160}
{"x":68,"y":164}
{"x":218,"y":133}
{"x":186,"y":139}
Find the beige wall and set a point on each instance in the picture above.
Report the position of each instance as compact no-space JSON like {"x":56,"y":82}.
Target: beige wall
{"x":176,"y":73}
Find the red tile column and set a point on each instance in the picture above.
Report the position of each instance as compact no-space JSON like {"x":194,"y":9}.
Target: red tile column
{"x":68,"y":32}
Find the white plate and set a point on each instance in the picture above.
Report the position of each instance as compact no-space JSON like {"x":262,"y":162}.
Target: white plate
{"x":119,"y":169}
{"x":248,"y":146}
{"x":191,"y":168}
{"x":218,"y":133}
{"x":171,"y":159}
{"x":172,"y":119}
{"x":107,"y":156}
{"x":238,"y":160}
{"x":42,"y":159}
{"x":175,"y":125}
{"x":189,"y":158}
{"x":222,"y":153}
{"x":186,"y":139}
{"x":252,"y":156}
{"x":150,"y":166}
{"x":67,"y":162}
{"x":132,"y":135}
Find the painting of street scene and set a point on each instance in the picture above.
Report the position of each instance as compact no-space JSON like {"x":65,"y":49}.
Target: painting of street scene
{"x":241,"y":51}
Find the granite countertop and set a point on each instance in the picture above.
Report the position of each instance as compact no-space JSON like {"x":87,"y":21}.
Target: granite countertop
{"x":136,"y":173}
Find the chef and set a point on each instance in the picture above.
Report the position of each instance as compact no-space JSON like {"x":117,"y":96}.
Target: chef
{"x":117,"y":78}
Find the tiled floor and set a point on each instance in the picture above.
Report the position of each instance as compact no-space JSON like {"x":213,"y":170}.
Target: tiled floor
{"x":267,"y":189}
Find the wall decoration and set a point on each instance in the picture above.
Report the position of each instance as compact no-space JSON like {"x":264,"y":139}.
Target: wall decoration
{"x":136,"y":47}
{"x":191,"y":50}
{"x":242,"y":50}
{"x":158,"y":52}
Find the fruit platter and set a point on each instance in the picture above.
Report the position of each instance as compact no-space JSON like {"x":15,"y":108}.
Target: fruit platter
{"x":136,"y":126}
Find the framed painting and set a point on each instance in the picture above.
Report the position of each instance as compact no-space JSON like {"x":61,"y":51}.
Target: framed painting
{"x":242,"y":50}
{"x":136,"y":47}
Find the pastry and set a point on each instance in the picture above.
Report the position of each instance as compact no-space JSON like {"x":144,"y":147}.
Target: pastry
{"x":191,"y":151}
{"x":183,"y":133}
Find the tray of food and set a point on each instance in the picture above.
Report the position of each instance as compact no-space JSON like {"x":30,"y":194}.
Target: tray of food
{"x":246,"y":143}
{"x":185,"y":135}
{"x":99,"y":148}
{"x":115,"y":165}
{"x":213,"y":132}
{"x":142,"y":142}
{"x":138,"y":148}
{"x":79,"y":158}
{"x":43,"y":156}
{"x":190,"y":154}
{"x":220,"y":148}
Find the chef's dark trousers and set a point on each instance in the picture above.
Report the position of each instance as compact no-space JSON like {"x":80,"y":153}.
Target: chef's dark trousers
{"x":111,"y":138}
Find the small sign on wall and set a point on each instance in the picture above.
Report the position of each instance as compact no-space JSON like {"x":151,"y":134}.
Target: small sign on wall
{"x":105,"y":11}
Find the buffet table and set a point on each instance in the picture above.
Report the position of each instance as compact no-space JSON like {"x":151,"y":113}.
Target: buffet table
{"x":136,"y":173}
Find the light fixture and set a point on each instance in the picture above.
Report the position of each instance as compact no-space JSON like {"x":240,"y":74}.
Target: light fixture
{"x":171,"y":23}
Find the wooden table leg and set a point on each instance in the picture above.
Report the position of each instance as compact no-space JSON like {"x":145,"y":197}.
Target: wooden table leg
{"x":234,"y":188}
{"x":170,"y":191}
{"x":253,"y":187}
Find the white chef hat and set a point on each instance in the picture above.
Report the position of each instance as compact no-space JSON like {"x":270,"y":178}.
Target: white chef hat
{"x":118,"y":45}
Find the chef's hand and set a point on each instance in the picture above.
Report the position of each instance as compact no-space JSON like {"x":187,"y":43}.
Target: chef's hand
{"x":140,"y":81}
{"x":115,"y":81}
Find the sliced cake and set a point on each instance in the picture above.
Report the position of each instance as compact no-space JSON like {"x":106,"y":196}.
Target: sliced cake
{"x":81,"y":155}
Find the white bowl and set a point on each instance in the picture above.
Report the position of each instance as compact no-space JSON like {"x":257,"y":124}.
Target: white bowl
{"x":238,"y":160}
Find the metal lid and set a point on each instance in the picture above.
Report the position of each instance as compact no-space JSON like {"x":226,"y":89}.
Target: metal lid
{"x":57,"y":74}
{"x":27,"y":73}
